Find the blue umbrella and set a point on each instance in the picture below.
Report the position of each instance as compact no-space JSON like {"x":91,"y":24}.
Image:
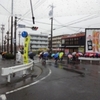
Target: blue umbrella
{"x":56,"y":55}
{"x":45,"y":54}
{"x":52,"y":55}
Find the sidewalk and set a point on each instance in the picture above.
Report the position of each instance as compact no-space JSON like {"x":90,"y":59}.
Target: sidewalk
{"x":82,"y":68}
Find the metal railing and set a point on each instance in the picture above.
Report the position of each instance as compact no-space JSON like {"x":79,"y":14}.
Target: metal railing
{"x":14,"y":69}
{"x":89,"y":59}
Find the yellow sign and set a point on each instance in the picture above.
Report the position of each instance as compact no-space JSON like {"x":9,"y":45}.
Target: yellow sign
{"x":26,"y":46}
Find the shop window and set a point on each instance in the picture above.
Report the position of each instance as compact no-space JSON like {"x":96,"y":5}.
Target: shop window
{"x":67,"y":43}
{"x":71,"y":42}
{"x":75,"y":42}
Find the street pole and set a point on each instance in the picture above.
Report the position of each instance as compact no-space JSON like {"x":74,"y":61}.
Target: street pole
{"x":51,"y":33}
{"x":15,"y":24}
{"x":51,"y":14}
{"x":7,"y":41}
{"x":12,"y":27}
{"x":2,"y":29}
{"x":5,"y":45}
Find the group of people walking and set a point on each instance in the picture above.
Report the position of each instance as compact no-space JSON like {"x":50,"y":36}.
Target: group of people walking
{"x":56,"y":56}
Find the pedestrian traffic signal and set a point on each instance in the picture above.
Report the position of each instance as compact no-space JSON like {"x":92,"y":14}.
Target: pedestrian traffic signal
{"x":34,"y":28}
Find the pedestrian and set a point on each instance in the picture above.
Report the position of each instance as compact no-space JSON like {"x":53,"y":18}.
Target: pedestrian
{"x":18,"y":57}
{"x":56,"y":57}
{"x":44,"y":57}
{"x":41,"y":55}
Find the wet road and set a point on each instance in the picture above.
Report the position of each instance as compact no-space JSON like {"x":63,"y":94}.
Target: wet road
{"x":56,"y":83}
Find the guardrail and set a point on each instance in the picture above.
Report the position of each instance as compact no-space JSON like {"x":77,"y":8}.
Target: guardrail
{"x":89,"y":59}
{"x":11,"y":70}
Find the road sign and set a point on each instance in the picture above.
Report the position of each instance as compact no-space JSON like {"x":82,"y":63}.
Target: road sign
{"x":21,"y":26}
{"x":24,"y":34}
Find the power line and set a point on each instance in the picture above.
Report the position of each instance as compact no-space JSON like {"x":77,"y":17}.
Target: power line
{"x":35,"y":7}
{"x":77,"y":22}
{"x":5,"y":8}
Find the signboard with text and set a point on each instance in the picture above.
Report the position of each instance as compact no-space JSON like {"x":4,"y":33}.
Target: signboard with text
{"x":26,"y":46}
{"x":92,"y":40}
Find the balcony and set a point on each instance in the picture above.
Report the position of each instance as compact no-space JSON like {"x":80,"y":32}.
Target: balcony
{"x":38,"y":46}
{"x":38,"y":38}
{"x":38,"y":42}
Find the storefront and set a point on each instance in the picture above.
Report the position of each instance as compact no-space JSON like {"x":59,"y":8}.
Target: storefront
{"x":74,"y":43}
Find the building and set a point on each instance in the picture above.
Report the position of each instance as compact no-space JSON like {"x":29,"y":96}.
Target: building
{"x":38,"y":41}
{"x":73,"y":42}
{"x":56,"y":43}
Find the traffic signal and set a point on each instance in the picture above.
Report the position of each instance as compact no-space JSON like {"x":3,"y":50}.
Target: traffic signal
{"x":34,"y":28}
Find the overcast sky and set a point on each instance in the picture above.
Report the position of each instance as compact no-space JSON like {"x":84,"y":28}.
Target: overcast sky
{"x":69,"y":16}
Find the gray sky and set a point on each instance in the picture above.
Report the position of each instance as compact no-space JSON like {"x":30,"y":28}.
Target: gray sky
{"x":70,"y":16}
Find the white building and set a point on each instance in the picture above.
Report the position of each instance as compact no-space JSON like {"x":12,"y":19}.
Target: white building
{"x":38,"y":41}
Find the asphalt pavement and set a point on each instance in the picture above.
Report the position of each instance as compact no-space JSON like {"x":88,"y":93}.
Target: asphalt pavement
{"x":83,"y":69}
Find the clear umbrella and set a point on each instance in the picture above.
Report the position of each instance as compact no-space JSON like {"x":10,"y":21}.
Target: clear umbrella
{"x":70,"y":56}
{"x":74,"y":53}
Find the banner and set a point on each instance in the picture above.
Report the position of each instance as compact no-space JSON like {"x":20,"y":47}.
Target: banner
{"x":92,"y":40}
{"x":26,"y":47}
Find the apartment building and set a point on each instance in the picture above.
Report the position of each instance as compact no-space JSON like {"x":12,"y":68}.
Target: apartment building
{"x":38,"y":41}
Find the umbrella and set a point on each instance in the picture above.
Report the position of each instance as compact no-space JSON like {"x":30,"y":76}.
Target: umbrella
{"x":31,"y":55}
{"x":52,"y":55}
{"x":61,"y":55}
{"x":56,"y":55}
{"x":40,"y":53}
{"x":70,"y":56}
{"x":73,"y":53}
{"x":46,"y":54}
{"x":80,"y":53}
{"x":90,"y":55}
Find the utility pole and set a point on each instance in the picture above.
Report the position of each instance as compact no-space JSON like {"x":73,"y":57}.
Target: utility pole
{"x":12,"y":27}
{"x":51,"y":14}
{"x":15,"y":24}
{"x":2,"y":29}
